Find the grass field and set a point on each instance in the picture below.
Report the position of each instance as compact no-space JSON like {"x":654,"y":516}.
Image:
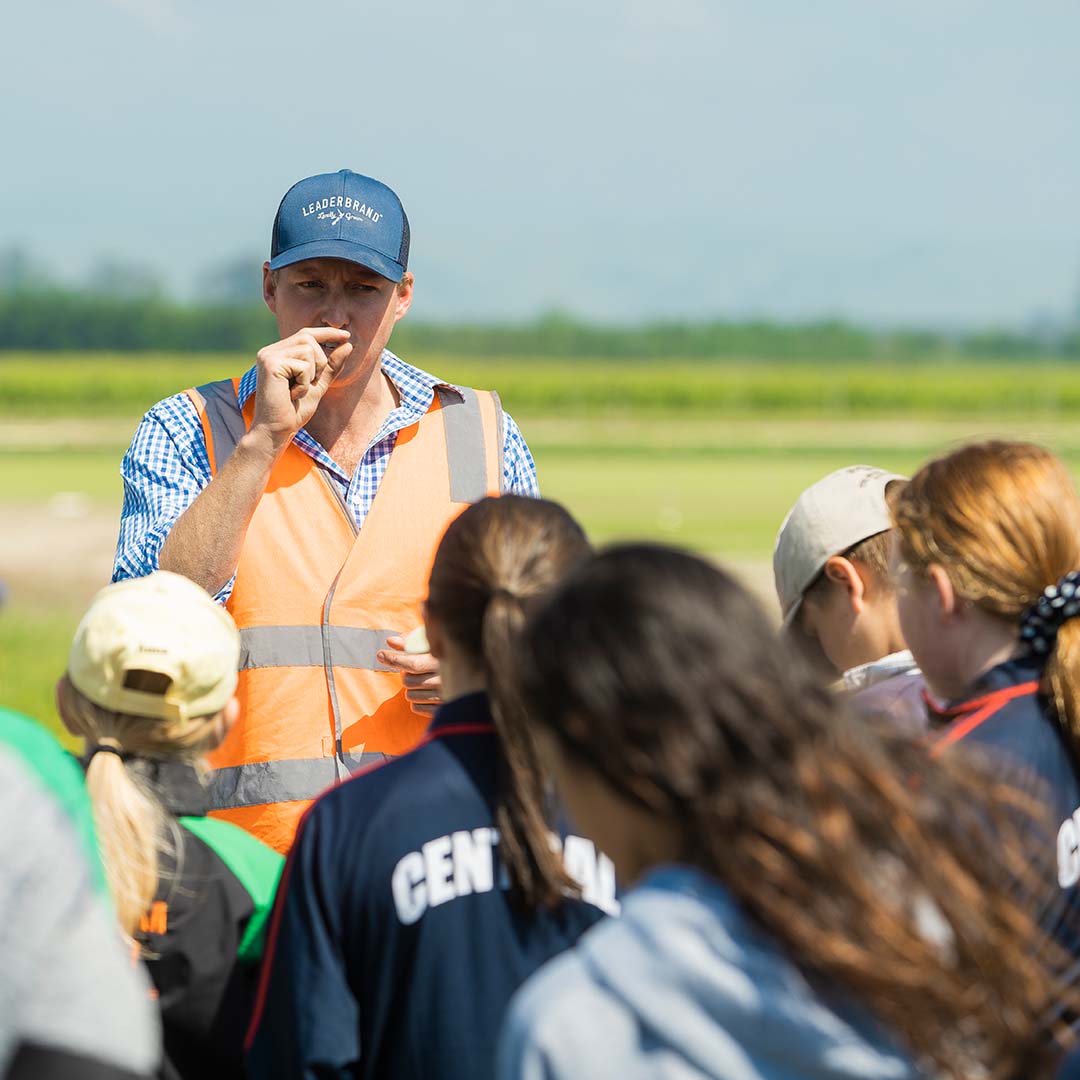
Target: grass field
{"x":706,"y":455}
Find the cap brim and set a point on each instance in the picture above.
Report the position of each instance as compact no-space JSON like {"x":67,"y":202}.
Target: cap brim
{"x":792,"y":614}
{"x":341,"y":249}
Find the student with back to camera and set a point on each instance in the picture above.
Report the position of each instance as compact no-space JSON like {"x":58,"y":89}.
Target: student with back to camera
{"x":987,"y":564}
{"x":421,"y":894}
{"x":149,"y":686}
{"x":831,"y":568}
{"x":796,"y":907}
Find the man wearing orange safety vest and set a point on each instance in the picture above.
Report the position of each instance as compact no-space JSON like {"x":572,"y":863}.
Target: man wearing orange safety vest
{"x":309,"y":496}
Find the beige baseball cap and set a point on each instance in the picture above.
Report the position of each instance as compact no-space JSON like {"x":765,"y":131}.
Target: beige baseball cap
{"x":831,"y":516}
{"x":162,"y":623}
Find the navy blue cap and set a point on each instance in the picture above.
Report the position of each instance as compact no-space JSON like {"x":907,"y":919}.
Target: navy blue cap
{"x":342,"y":215}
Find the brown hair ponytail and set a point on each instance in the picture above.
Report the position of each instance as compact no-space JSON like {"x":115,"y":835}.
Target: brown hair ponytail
{"x":494,"y":561}
{"x":1061,"y":681}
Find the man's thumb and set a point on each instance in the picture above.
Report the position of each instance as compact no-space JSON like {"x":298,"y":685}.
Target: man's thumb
{"x":335,"y":362}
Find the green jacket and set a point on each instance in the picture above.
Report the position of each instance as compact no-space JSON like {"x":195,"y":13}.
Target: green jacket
{"x":59,"y":772}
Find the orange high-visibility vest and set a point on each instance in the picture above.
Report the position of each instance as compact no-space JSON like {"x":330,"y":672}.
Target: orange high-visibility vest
{"x":315,"y":600}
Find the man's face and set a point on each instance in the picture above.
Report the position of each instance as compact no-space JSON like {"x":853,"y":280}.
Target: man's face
{"x":341,"y":294}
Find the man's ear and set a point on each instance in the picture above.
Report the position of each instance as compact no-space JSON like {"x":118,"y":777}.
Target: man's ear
{"x":843,"y":572}
{"x":269,"y":288}
{"x":404,"y":296}
{"x":942,"y":586}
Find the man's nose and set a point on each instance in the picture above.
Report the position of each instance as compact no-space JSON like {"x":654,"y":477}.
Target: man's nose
{"x":336,"y":316}
{"x":334,"y":308}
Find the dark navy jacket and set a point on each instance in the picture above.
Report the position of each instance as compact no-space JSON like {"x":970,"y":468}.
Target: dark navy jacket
{"x":1006,"y":715}
{"x":394,"y":948}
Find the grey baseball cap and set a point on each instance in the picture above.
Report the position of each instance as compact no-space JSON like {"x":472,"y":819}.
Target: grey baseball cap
{"x":831,"y":516}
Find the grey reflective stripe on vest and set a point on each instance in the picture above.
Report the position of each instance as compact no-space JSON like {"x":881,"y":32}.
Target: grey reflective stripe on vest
{"x":302,"y":646}
{"x":465,"y":452}
{"x":501,"y":436}
{"x":263,"y":782}
{"x":224,"y":417}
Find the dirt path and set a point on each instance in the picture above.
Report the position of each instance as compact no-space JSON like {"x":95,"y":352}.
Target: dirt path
{"x":59,"y":552}
{"x":62,"y":552}
{"x":51,"y":433}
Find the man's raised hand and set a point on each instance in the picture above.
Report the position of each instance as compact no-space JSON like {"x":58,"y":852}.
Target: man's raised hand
{"x":291,"y":377}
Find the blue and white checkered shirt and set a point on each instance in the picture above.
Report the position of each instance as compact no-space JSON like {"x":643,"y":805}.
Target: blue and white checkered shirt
{"x":166,"y":465}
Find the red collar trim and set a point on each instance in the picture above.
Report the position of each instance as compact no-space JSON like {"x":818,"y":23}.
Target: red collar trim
{"x":467,"y":727}
{"x":973,"y":713}
{"x":987,"y":699}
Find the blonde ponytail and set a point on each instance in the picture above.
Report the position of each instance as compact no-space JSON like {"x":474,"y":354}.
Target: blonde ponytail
{"x":134,"y":830}
{"x":130,"y":826}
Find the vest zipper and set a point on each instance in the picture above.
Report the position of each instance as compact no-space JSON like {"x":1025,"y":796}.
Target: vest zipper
{"x":328,"y":665}
{"x":340,"y":500}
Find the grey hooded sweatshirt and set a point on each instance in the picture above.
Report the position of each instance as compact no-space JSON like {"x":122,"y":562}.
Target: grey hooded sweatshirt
{"x":681,"y":986}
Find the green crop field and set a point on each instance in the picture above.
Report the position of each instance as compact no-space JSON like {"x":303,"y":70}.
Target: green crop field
{"x":62,"y":383}
{"x":708,"y":455}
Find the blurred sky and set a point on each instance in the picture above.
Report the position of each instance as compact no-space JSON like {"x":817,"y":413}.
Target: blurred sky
{"x":912,"y":161}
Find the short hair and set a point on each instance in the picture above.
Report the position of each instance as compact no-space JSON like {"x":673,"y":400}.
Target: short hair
{"x":873,"y":552}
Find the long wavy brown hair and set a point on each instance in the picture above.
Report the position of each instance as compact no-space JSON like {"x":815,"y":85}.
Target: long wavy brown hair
{"x":880,"y":872}
{"x":1003,"y":520}
{"x":493,"y":563}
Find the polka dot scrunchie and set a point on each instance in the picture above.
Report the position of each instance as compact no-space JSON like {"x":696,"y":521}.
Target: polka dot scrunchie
{"x":1040,"y":623}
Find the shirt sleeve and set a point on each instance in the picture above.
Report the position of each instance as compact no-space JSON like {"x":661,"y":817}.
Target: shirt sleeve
{"x":306,"y":1019}
{"x":164,"y":470}
{"x":519,"y":469}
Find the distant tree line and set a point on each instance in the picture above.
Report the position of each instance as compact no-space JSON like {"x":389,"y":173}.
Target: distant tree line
{"x":47,"y":317}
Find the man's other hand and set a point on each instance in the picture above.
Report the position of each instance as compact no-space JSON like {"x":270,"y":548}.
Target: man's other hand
{"x":420,"y":671}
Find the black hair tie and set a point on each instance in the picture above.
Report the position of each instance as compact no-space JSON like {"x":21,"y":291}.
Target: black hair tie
{"x":105,"y":748}
{"x":1040,"y":623}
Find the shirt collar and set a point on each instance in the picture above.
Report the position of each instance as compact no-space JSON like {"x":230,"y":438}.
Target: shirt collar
{"x":415,"y":387}
{"x":897,"y":663}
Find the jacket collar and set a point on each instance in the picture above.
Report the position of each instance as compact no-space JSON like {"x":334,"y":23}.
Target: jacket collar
{"x":468,"y":709}
{"x":1013,"y":678}
{"x":177,"y":785}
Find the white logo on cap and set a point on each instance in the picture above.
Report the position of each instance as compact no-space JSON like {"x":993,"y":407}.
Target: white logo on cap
{"x":341,"y":206}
